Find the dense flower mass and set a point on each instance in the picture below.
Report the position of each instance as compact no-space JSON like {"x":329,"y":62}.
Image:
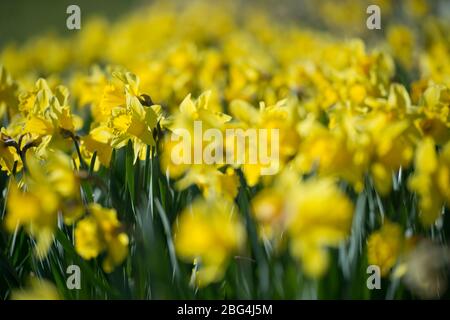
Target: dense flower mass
{"x":87,"y":148}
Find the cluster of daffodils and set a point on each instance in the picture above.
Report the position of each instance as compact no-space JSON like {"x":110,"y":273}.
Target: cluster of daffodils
{"x":348,"y":124}
{"x":45,"y":179}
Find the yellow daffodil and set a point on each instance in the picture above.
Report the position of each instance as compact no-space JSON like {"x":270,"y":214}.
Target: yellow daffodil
{"x":47,"y":190}
{"x":38,"y":216}
{"x":435,"y":119}
{"x":100,"y":231}
{"x":319,"y":216}
{"x":384,"y":246}
{"x":431,"y":180}
{"x":208,"y":232}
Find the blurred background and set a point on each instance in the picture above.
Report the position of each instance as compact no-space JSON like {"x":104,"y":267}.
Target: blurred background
{"x":21,"y":19}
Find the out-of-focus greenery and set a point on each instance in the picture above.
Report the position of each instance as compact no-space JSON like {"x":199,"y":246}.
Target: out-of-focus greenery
{"x":22,"y":19}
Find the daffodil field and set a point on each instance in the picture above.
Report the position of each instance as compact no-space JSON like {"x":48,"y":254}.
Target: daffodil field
{"x":89,"y":183}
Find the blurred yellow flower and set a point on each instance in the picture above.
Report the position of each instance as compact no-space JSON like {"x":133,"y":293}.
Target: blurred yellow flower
{"x":39,"y":289}
{"x":47,"y":190}
{"x":207,"y":233}
{"x":384,"y":246}
{"x":431,"y":180}
{"x":319,"y":216}
{"x":38,"y":216}
{"x":100,"y":231}
{"x":402,"y":41}
{"x":212,"y":182}
{"x":434,"y":120}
